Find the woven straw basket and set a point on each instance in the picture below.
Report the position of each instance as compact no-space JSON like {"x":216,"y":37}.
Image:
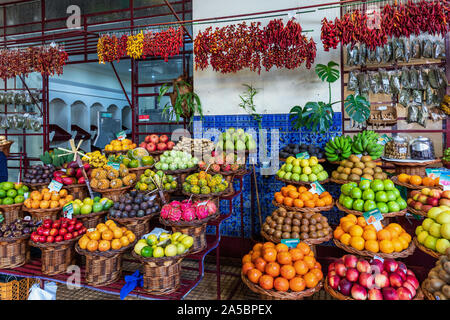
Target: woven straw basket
{"x":13,"y":252}
{"x":11,"y":212}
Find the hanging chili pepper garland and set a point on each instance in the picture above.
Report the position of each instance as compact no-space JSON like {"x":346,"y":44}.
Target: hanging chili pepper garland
{"x":399,"y":20}
{"x":237,"y":47}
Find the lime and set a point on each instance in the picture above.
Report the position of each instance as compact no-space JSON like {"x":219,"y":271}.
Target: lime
{"x":147,"y":161}
{"x":134,"y":164}
{"x":25,"y":188}
{"x":2,"y":193}
{"x":12,"y":193}
{"x":19,"y":199}
{"x":152,"y":240}
{"x":8,"y":185}
{"x":97,"y":199}
{"x":147,"y":252}
{"x":139,"y":246}
{"x":8,"y":201}
{"x":97,"y":207}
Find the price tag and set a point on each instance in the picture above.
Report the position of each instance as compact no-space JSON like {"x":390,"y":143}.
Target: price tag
{"x":55,"y":186}
{"x":374,"y":217}
{"x":114,"y":165}
{"x":144,"y":117}
{"x":106,"y":115}
{"x":26,"y":195}
{"x":316,"y":187}
{"x":103,"y":202}
{"x":202,"y":203}
{"x":359,"y":156}
{"x":434,"y":173}
{"x":384,"y":139}
{"x":378,"y":258}
{"x":291,"y":243}
{"x":63,"y":170}
{"x":444,"y":180}
{"x":302,"y":155}
{"x":382,"y":108}
{"x":68,"y":210}
{"x":362,"y":179}
{"x":121,"y":135}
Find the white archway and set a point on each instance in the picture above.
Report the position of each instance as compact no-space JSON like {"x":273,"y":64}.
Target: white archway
{"x":59,"y":113}
{"x":79,"y":115}
{"x":126,"y":118}
{"x":116,"y":114}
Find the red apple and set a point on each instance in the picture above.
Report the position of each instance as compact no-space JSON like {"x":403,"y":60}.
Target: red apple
{"x":70,"y":228}
{"x":401,"y":274}
{"x":143,"y":145}
{"x":352,"y":275}
{"x":426,"y":208}
{"x":404,"y":294}
{"x":63,"y":231}
{"x":58,"y":238}
{"x":350,"y":261}
{"x":331,"y":267}
{"x":376,"y":266}
{"x":375,"y":294}
{"x":434,"y":202}
{"x":390,"y":265}
{"x":332,"y":273}
{"x":410,"y":273}
{"x":444,"y":202}
{"x":415,"y":192}
{"x":42,"y":239}
{"x":445,"y":194}
{"x":381,"y":280}
{"x":163,"y":138}
{"x":435,"y":193}
{"x":395,"y":280}
{"x":363,"y":265}
{"x":358,"y":292}
{"x":413,"y":280}
{"x":344,"y":287}
{"x":341,"y":270}
{"x":150,"y":147}
{"x":389,"y":293}
{"x":402,"y":267}
{"x":410,"y":202}
{"x":410,"y":287}
{"x":423,"y":199}
{"x":416,"y":197}
{"x":50,"y":239}
{"x":418,"y":205}
{"x":53,"y":232}
{"x":161,"y":146}
{"x":68,"y":236}
{"x":170,"y":145}
{"x":154,"y":138}
{"x":333,"y":281}
{"x":367,"y":280}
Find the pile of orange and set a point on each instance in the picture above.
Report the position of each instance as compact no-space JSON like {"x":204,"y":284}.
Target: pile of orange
{"x":355,"y":232}
{"x":44,"y":199}
{"x":418,"y":180}
{"x":120,"y":145}
{"x":106,"y":236}
{"x":282,"y":269}
{"x":300,"y":197}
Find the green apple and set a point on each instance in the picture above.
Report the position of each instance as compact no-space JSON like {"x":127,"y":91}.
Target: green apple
{"x":443,"y":217}
{"x":307,"y":170}
{"x":358,"y":205}
{"x":296,"y":162}
{"x":369,"y":205}
{"x":388,"y":185}
{"x":348,"y":202}
{"x":390,"y":196}
{"x":180,"y":248}
{"x":288,"y":167}
{"x":188,"y":242}
{"x":346,"y":189}
{"x":304,"y":163}
{"x":287,"y":176}
{"x":97,"y":207}
{"x":312,"y":177}
{"x":88,"y":201}
{"x":138,"y":247}
{"x":175,"y":236}
{"x":401,"y":202}
{"x":86,"y":209}
{"x":422,"y":236}
{"x":322,"y":175}
{"x":368,"y":195}
{"x":434,"y":212}
{"x":297,"y":169}
{"x":341,"y":198}
{"x":377,"y":185}
{"x":170,"y":250}
{"x":419,"y":229}
{"x":381,"y":196}
{"x":393,"y":206}
{"x":281,"y":174}
{"x":426,"y":224}
{"x":396,"y":192}
{"x":435,"y":230}
{"x":445,"y":231}
{"x":430,"y":242}
{"x":383,"y":207}
{"x":442,"y":245}
{"x":364,"y":184}
{"x":76,"y":208}
{"x":315,"y":169}
{"x":290,"y":159}
{"x":152,"y":240}
{"x":313,"y":161}
{"x":304,"y":178}
{"x":295,"y":177}
{"x":356,"y":193}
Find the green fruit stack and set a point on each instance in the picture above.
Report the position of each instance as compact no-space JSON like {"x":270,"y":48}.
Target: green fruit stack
{"x":89,"y":205}
{"x":434,"y":233}
{"x":236,"y":139}
{"x":12,"y":193}
{"x":175,"y":160}
{"x":364,"y":143}
{"x":304,"y":170}
{"x":148,"y":179}
{"x":165,"y":245}
{"x":338,"y":148}
{"x":369,"y":195}
{"x":204,"y":183}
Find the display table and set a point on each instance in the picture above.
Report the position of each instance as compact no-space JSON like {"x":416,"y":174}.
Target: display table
{"x":411,"y":167}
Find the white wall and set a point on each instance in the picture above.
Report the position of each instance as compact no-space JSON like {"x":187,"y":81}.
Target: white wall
{"x":280,"y":89}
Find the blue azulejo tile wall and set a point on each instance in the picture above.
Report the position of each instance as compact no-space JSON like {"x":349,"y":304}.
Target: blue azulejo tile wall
{"x":267,"y":185}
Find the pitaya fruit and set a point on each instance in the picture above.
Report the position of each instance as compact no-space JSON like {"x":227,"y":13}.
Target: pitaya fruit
{"x":165,"y":211}
{"x":175,"y":204}
{"x":175,"y":214}
{"x":188,"y":214}
{"x":186,"y":204}
{"x":211,"y":207}
{"x":201,"y":212}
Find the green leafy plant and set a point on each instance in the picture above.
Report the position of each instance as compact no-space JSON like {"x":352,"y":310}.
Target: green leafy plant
{"x":248,"y":104}
{"x":318,"y":116}
{"x":184,"y":101}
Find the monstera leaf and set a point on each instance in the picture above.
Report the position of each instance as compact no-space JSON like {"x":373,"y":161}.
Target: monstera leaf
{"x":327,"y":72}
{"x":316,"y":116}
{"x":357,"y":107}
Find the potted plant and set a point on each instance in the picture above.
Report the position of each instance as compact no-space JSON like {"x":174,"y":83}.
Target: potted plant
{"x":184,"y":101}
{"x":318,"y":116}
{"x":248,"y":104}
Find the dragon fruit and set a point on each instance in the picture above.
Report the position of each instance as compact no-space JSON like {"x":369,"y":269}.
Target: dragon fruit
{"x":211,"y":207}
{"x":188,"y":214}
{"x":201,"y":212}
{"x":186,"y":204}
{"x":165,"y":211}
{"x":175,"y":214}
{"x":175,"y":204}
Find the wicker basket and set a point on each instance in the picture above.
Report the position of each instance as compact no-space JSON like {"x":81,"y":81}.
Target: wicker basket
{"x":387,"y":117}
{"x":412,"y":186}
{"x":339,"y":181}
{"x":315,"y":209}
{"x":42,"y":214}
{"x":103,"y":268}
{"x":139,"y":226}
{"x":139,"y":171}
{"x":279,"y":295}
{"x":300,"y":183}
{"x":78,"y":191}
{"x":6,"y":147}
{"x":307,"y":241}
{"x":16,"y":289}
{"x":37,"y":186}
{"x":56,"y":257}
{"x":198,"y":233}
{"x":93,"y":219}
{"x":11,"y":212}
{"x":360,"y":213}
{"x":416,"y":212}
{"x":412,"y":168}
{"x":428,"y":295}
{"x":336,"y":294}
{"x":430,"y":252}
{"x":13,"y":252}
{"x":161,"y":275}
{"x":395,"y":255}
{"x":113,"y":194}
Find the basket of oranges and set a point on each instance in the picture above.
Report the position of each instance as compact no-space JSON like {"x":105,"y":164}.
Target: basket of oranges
{"x":301,"y":199}
{"x":416,"y":182}
{"x":44,"y":204}
{"x":279,"y":273}
{"x":355,"y":236}
{"x":119,"y":146}
{"x":103,"y":248}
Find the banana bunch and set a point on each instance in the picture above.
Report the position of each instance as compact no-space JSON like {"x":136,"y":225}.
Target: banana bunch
{"x":366,"y":143}
{"x":445,"y":104}
{"x":338,"y":148}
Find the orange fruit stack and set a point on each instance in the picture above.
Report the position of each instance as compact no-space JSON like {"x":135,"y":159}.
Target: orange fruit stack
{"x":418,"y":180}
{"x":300,"y":197}
{"x":120,"y":145}
{"x":355,"y":232}
{"x":44,"y":199}
{"x":106,"y":236}
{"x":276,"y":267}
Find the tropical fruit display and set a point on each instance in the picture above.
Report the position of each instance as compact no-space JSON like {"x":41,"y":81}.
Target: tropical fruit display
{"x":355,"y":232}
{"x":373,"y":279}
{"x":292,"y":149}
{"x":120,"y":145}
{"x":175,"y":160}
{"x":221,"y":162}
{"x":301,"y":197}
{"x":96,"y":159}
{"x":135,"y":158}
{"x":188,"y":210}
{"x":110,"y":178}
{"x":39,"y":174}
{"x":44,"y":199}
{"x":154,"y":143}
{"x":164,"y":245}
{"x":369,"y":195}
{"x":12,"y":193}
{"x":304,"y":170}
{"x":17,"y":228}
{"x":89,"y":205}
{"x":284,"y":224}
{"x":355,"y":168}
{"x":72,"y":174}
{"x":150,"y":180}
{"x":276,"y":267}
{"x":194,"y":146}
{"x":426,"y":198}
{"x":434,"y":232}
{"x":418,"y":180}
{"x":59,"y":230}
{"x":438,"y":281}
{"x":204,"y":183}
{"x":446,"y":156}
{"x":363,"y":143}
{"x":236,"y":140}
{"x":134,"y":205}
{"x":56,"y":158}
{"x":106,"y":236}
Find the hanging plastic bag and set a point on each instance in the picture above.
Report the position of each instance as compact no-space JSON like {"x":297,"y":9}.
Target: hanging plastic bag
{"x":352,"y":84}
{"x":363,"y":81}
{"x":437,"y":114}
{"x":442,"y":78}
{"x":438,"y":49}
{"x":433,"y":77}
{"x":407,"y":48}
{"x":423,"y":116}
{"x":422,"y":79}
{"x":404,"y":77}
{"x":398,"y":50}
{"x":387,"y":52}
{"x":385,"y":85}
{"x":427,"y":48}
{"x":417,"y":97}
{"x":379,"y":54}
{"x":352,"y":55}
{"x":48,"y":293}
{"x":416,"y":49}
{"x":372,"y":56}
{"x":440,"y":94}
{"x":375,"y":82}
{"x":412,"y":115}
{"x":395,"y":82}
{"x":405,"y":97}
{"x":413,"y":78}
{"x":36,"y":123}
{"x":429,"y":96}
{"x":362,"y":57}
